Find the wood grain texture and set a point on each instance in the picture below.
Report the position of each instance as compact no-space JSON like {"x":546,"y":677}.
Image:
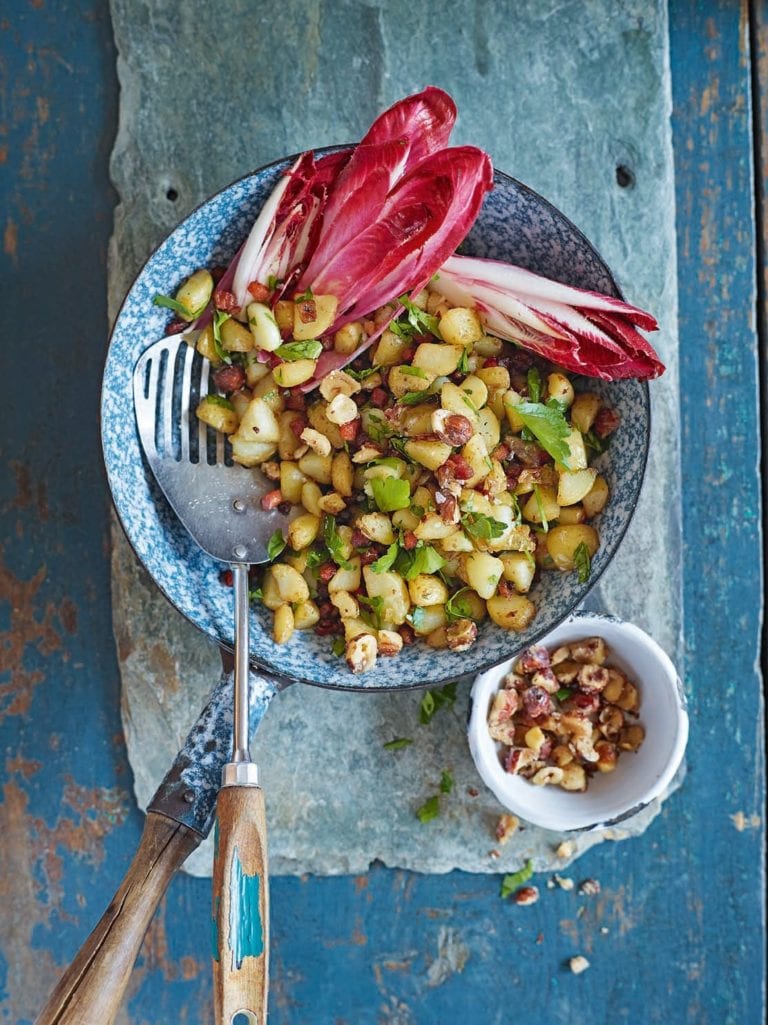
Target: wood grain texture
{"x":91,"y":989}
{"x":240,"y":906}
{"x":676,"y":933}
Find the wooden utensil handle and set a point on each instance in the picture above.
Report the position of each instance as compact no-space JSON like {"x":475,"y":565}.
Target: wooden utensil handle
{"x":91,"y":989}
{"x":240,"y":906}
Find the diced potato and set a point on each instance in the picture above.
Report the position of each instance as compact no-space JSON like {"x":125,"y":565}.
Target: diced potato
{"x":571,"y":514}
{"x":417,"y":420}
{"x":283,"y":626}
{"x":437,"y":639}
{"x":259,"y":423}
{"x":270,"y":596}
{"x":577,"y":459}
{"x":310,"y":497}
{"x":251,"y":453}
{"x":288,"y":440}
{"x":346,"y":579}
{"x":264,"y":329}
{"x":402,"y":380}
{"x":391,"y":588}
{"x":404,"y":519}
{"x":318,"y":418}
{"x":513,"y":613}
{"x":542,"y":506}
{"x":346,"y":603}
{"x":474,"y":604}
{"x":338,"y":382}
{"x":316,"y":441}
{"x":428,"y":453}
{"x":206,"y":345}
{"x":284,"y":314}
{"x":347,"y":338}
{"x":490,"y":428}
{"x":560,"y":388}
{"x":461,"y":326}
{"x":194,"y":294}
{"x":595,"y":499}
{"x":433,"y":527}
{"x":377,"y":527}
{"x":240,"y":401}
{"x":389,"y":349}
{"x":476,"y":454}
{"x":312,"y":317}
{"x":430,"y":617}
{"x":474,"y":388}
{"x":426,"y":589}
{"x":457,"y":401}
{"x":354,"y":627}
{"x":316,"y":466}
{"x":483,"y":573}
{"x":218,"y":413}
{"x":574,"y":485}
{"x":303,"y":530}
{"x":341,"y":474}
{"x":267,"y":390}
{"x":290,"y":375}
{"x":332,"y":503}
{"x":494,"y":378}
{"x":235,"y":337}
{"x":585,"y":408}
{"x":291,"y":585}
{"x":437,"y":360}
{"x":457,"y":542}
{"x":292,"y":480}
{"x":563,"y":541}
{"x":519,"y":570}
{"x":296,"y":559}
{"x":489,"y":346}
{"x":512,"y":399}
{"x":390,"y":642}
{"x":306,"y":615}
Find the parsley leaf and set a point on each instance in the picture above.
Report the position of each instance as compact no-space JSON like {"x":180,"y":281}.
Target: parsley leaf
{"x":338,"y":646}
{"x":390,"y":493}
{"x":457,"y":607}
{"x":424,"y":559}
{"x":481,"y":526}
{"x":515,"y":880}
{"x":315,"y":558}
{"x":376,"y":605}
{"x":540,"y":506}
{"x":276,"y":544}
{"x":462,"y":366}
{"x":549,"y":427}
{"x":299,"y":350}
{"x":413,"y":398}
{"x":429,"y":810}
{"x":563,"y":694}
{"x":387,"y":560}
{"x":413,"y":371}
{"x":398,"y":744}
{"x":218,"y":400}
{"x":582,"y":562}
{"x":333,"y":543}
{"x":417,"y":320}
{"x":446,"y":783}
{"x":219,"y":318}
{"x":534,"y":385}
{"x":597,"y":444}
{"x":304,"y":297}
{"x":177,"y":307}
{"x":360,"y":375}
{"x":434,"y":700}
{"x":255,"y":594}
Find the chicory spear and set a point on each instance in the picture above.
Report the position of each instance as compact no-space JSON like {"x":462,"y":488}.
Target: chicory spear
{"x":585,"y":332}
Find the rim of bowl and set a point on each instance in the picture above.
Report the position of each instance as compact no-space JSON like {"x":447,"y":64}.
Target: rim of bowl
{"x":486,"y":758}
{"x":259,"y":663}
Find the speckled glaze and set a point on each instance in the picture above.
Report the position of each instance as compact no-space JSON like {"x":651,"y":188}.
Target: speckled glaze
{"x":515,"y":224}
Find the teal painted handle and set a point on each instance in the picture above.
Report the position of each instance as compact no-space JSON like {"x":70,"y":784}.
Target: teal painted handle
{"x":240,"y":907}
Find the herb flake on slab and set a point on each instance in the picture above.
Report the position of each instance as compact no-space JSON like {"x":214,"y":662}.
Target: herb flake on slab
{"x":398,"y":744}
{"x":514,"y":880}
{"x":582,"y":562}
{"x":429,"y":810}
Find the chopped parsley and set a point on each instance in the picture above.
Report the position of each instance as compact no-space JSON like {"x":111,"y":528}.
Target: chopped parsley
{"x":387,"y":560}
{"x":422,"y":559}
{"x":446,"y":783}
{"x":540,"y":506}
{"x":338,"y":646}
{"x":376,"y":607}
{"x":398,"y":744}
{"x":276,"y":544}
{"x":218,"y":400}
{"x":414,"y":321}
{"x":413,"y":398}
{"x":515,"y":880}
{"x":534,"y":385}
{"x":597,"y":444}
{"x":413,"y":371}
{"x":173,"y":304}
{"x":429,"y":810}
{"x":483,"y":527}
{"x":563,"y":694}
{"x":458,"y":607}
{"x":549,"y":427}
{"x":463,"y":364}
{"x":299,"y":350}
{"x":334,"y":544}
{"x":582,"y":562}
{"x":434,"y":700}
{"x":220,"y":318}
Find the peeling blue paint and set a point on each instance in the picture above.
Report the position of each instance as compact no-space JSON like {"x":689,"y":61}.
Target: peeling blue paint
{"x":246,"y":930}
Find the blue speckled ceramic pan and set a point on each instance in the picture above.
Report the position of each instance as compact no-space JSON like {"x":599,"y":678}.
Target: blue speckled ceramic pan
{"x":515,"y":224}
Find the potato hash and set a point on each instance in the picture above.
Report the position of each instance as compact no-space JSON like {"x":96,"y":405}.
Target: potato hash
{"x":428,"y":481}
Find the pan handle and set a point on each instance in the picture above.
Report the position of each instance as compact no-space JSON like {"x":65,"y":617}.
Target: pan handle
{"x":91,"y":989}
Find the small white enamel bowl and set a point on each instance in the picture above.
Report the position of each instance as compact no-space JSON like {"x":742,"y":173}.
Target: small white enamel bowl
{"x":639,"y":776}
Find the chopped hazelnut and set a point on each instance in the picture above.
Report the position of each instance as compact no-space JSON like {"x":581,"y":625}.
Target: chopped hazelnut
{"x":578,"y":964}
{"x":526,"y":895}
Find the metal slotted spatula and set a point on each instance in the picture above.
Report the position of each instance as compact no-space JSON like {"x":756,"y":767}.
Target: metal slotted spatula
{"x":219,"y":504}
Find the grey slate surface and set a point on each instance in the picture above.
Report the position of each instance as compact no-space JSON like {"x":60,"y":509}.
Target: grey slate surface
{"x":209,"y":92}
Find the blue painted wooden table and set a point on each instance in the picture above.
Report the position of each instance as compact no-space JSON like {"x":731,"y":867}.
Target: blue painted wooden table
{"x":677,"y":932}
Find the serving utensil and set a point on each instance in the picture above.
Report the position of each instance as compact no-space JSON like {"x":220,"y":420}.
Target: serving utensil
{"x":219,"y":503}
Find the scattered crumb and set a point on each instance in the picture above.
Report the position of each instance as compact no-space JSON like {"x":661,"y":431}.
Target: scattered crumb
{"x":526,"y":895}
{"x":505,"y":827}
{"x":494,"y":854}
{"x":604,"y":930}
{"x":472,"y":791}
{"x":580,"y":912}
{"x":589,"y":888}
{"x":578,"y":964}
{"x":564,"y":882}
{"x":550,"y":884}
{"x":540,"y":938}
{"x":566,"y":849}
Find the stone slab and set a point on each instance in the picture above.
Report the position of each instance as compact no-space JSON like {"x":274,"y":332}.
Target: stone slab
{"x":584,"y":121}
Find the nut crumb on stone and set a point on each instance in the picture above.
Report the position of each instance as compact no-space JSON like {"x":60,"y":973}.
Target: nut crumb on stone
{"x":578,"y":964}
{"x":589,"y":888}
{"x":505,"y":827}
{"x":566,"y":849}
{"x":604,"y":930}
{"x":564,"y":882}
{"x":526,"y":895}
